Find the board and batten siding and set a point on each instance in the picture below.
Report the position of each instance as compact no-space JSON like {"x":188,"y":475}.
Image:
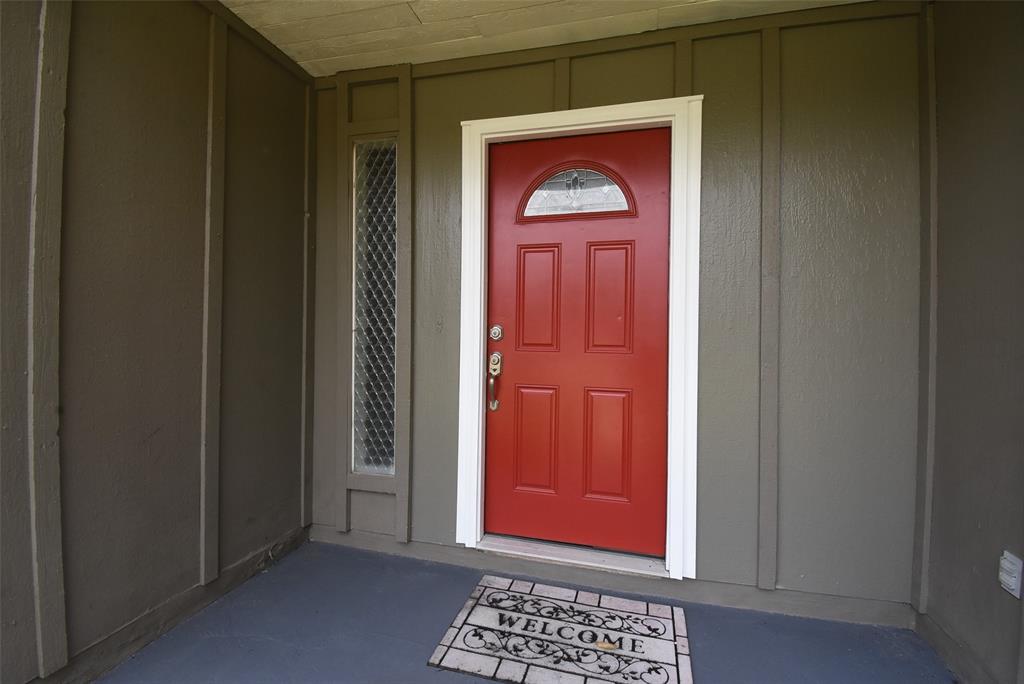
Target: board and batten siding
{"x":809,"y":282}
{"x":133,"y":306}
{"x":131,"y":310}
{"x":172,"y":195}
{"x":979,"y":426}
{"x":19,"y":82}
{"x":261,"y":395}
{"x":727,"y":71}
{"x":849,"y":308}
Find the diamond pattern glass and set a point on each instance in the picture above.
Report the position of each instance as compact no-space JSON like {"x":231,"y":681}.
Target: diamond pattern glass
{"x":373,"y":372}
{"x":576,"y":191}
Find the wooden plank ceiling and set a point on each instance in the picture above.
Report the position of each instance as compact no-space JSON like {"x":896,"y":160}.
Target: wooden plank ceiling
{"x":327,"y":36}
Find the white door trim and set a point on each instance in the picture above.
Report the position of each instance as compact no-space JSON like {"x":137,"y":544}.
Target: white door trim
{"x":683,"y":115}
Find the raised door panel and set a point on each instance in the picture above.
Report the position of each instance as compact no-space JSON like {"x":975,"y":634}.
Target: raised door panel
{"x":538,"y":292}
{"x":607,"y":452}
{"x":610,"y":297}
{"x":536,"y":438}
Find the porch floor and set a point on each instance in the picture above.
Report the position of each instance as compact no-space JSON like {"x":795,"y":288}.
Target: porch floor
{"x":333,"y":614}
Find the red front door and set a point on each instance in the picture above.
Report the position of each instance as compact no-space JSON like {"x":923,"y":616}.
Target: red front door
{"x":578,"y":282}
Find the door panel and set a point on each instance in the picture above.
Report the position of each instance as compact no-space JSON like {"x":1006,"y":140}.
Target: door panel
{"x":576,"y":449}
{"x":537,"y":293}
{"x":536,"y":446}
{"x":610,"y":297}
{"x":608,"y":449}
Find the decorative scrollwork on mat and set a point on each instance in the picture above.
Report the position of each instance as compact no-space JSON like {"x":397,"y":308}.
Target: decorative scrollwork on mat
{"x":591,"y":617}
{"x":588,"y":660}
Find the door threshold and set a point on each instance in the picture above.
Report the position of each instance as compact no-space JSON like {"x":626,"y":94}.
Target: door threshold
{"x":562,"y":554}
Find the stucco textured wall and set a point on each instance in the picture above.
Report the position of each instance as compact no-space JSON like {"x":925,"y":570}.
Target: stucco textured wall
{"x":850,"y":226}
{"x":979,"y":466}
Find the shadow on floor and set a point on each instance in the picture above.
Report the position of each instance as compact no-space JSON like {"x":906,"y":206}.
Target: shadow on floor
{"x":327,"y":613}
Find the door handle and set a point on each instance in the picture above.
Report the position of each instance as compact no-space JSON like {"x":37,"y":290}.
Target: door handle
{"x":493,"y":371}
{"x":492,"y":403}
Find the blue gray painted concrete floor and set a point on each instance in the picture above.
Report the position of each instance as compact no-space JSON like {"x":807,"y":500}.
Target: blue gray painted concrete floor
{"x":332,"y":614}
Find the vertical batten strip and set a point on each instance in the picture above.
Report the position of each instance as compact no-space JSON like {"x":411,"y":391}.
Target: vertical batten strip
{"x":213,"y":301}
{"x":403,"y":324}
{"x":343,"y":422}
{"x":928,"y":331}
{"x":563,"y":83}
{"x":308,"y":307}
{"x":43,"y":344}
{"x":684,"y":67}
{"x":771,"y":187}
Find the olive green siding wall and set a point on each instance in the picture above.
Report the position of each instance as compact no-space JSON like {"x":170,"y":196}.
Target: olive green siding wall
{"x":326,"y":319}
{"x":18,"y":84}
{"x":261,"y":421}
{"x":153,"y":508}
{"x":131,"y":310}
{"x":849,"y":308}
{"x":842,"y":91}
{"x":626,"y":76}
{"x":727,"y":71}
{"x":979,"y":436}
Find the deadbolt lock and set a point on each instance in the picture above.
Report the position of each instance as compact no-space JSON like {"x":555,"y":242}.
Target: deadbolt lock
{"x":496,"y":332}
{"x":494,"y":364}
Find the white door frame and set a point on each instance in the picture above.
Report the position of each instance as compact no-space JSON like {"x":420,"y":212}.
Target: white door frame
{"x":683,"y":115}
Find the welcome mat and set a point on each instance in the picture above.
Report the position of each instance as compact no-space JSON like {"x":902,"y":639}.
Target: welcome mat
{"x":518,"y":631}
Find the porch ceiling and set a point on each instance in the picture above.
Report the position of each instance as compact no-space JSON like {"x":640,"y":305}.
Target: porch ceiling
{"x":327,"y":36}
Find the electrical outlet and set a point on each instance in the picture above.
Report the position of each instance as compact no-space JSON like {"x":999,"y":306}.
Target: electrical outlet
{"x":1010,"y":572}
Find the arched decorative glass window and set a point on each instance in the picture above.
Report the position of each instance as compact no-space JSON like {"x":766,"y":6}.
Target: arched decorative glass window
{"x":576,"y":188}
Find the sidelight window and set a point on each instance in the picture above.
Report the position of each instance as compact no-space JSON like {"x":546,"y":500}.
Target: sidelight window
{"x":375,"y":218}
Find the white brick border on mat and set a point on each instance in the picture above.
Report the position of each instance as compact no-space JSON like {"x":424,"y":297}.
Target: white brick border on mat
{"x":571,"y":637}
